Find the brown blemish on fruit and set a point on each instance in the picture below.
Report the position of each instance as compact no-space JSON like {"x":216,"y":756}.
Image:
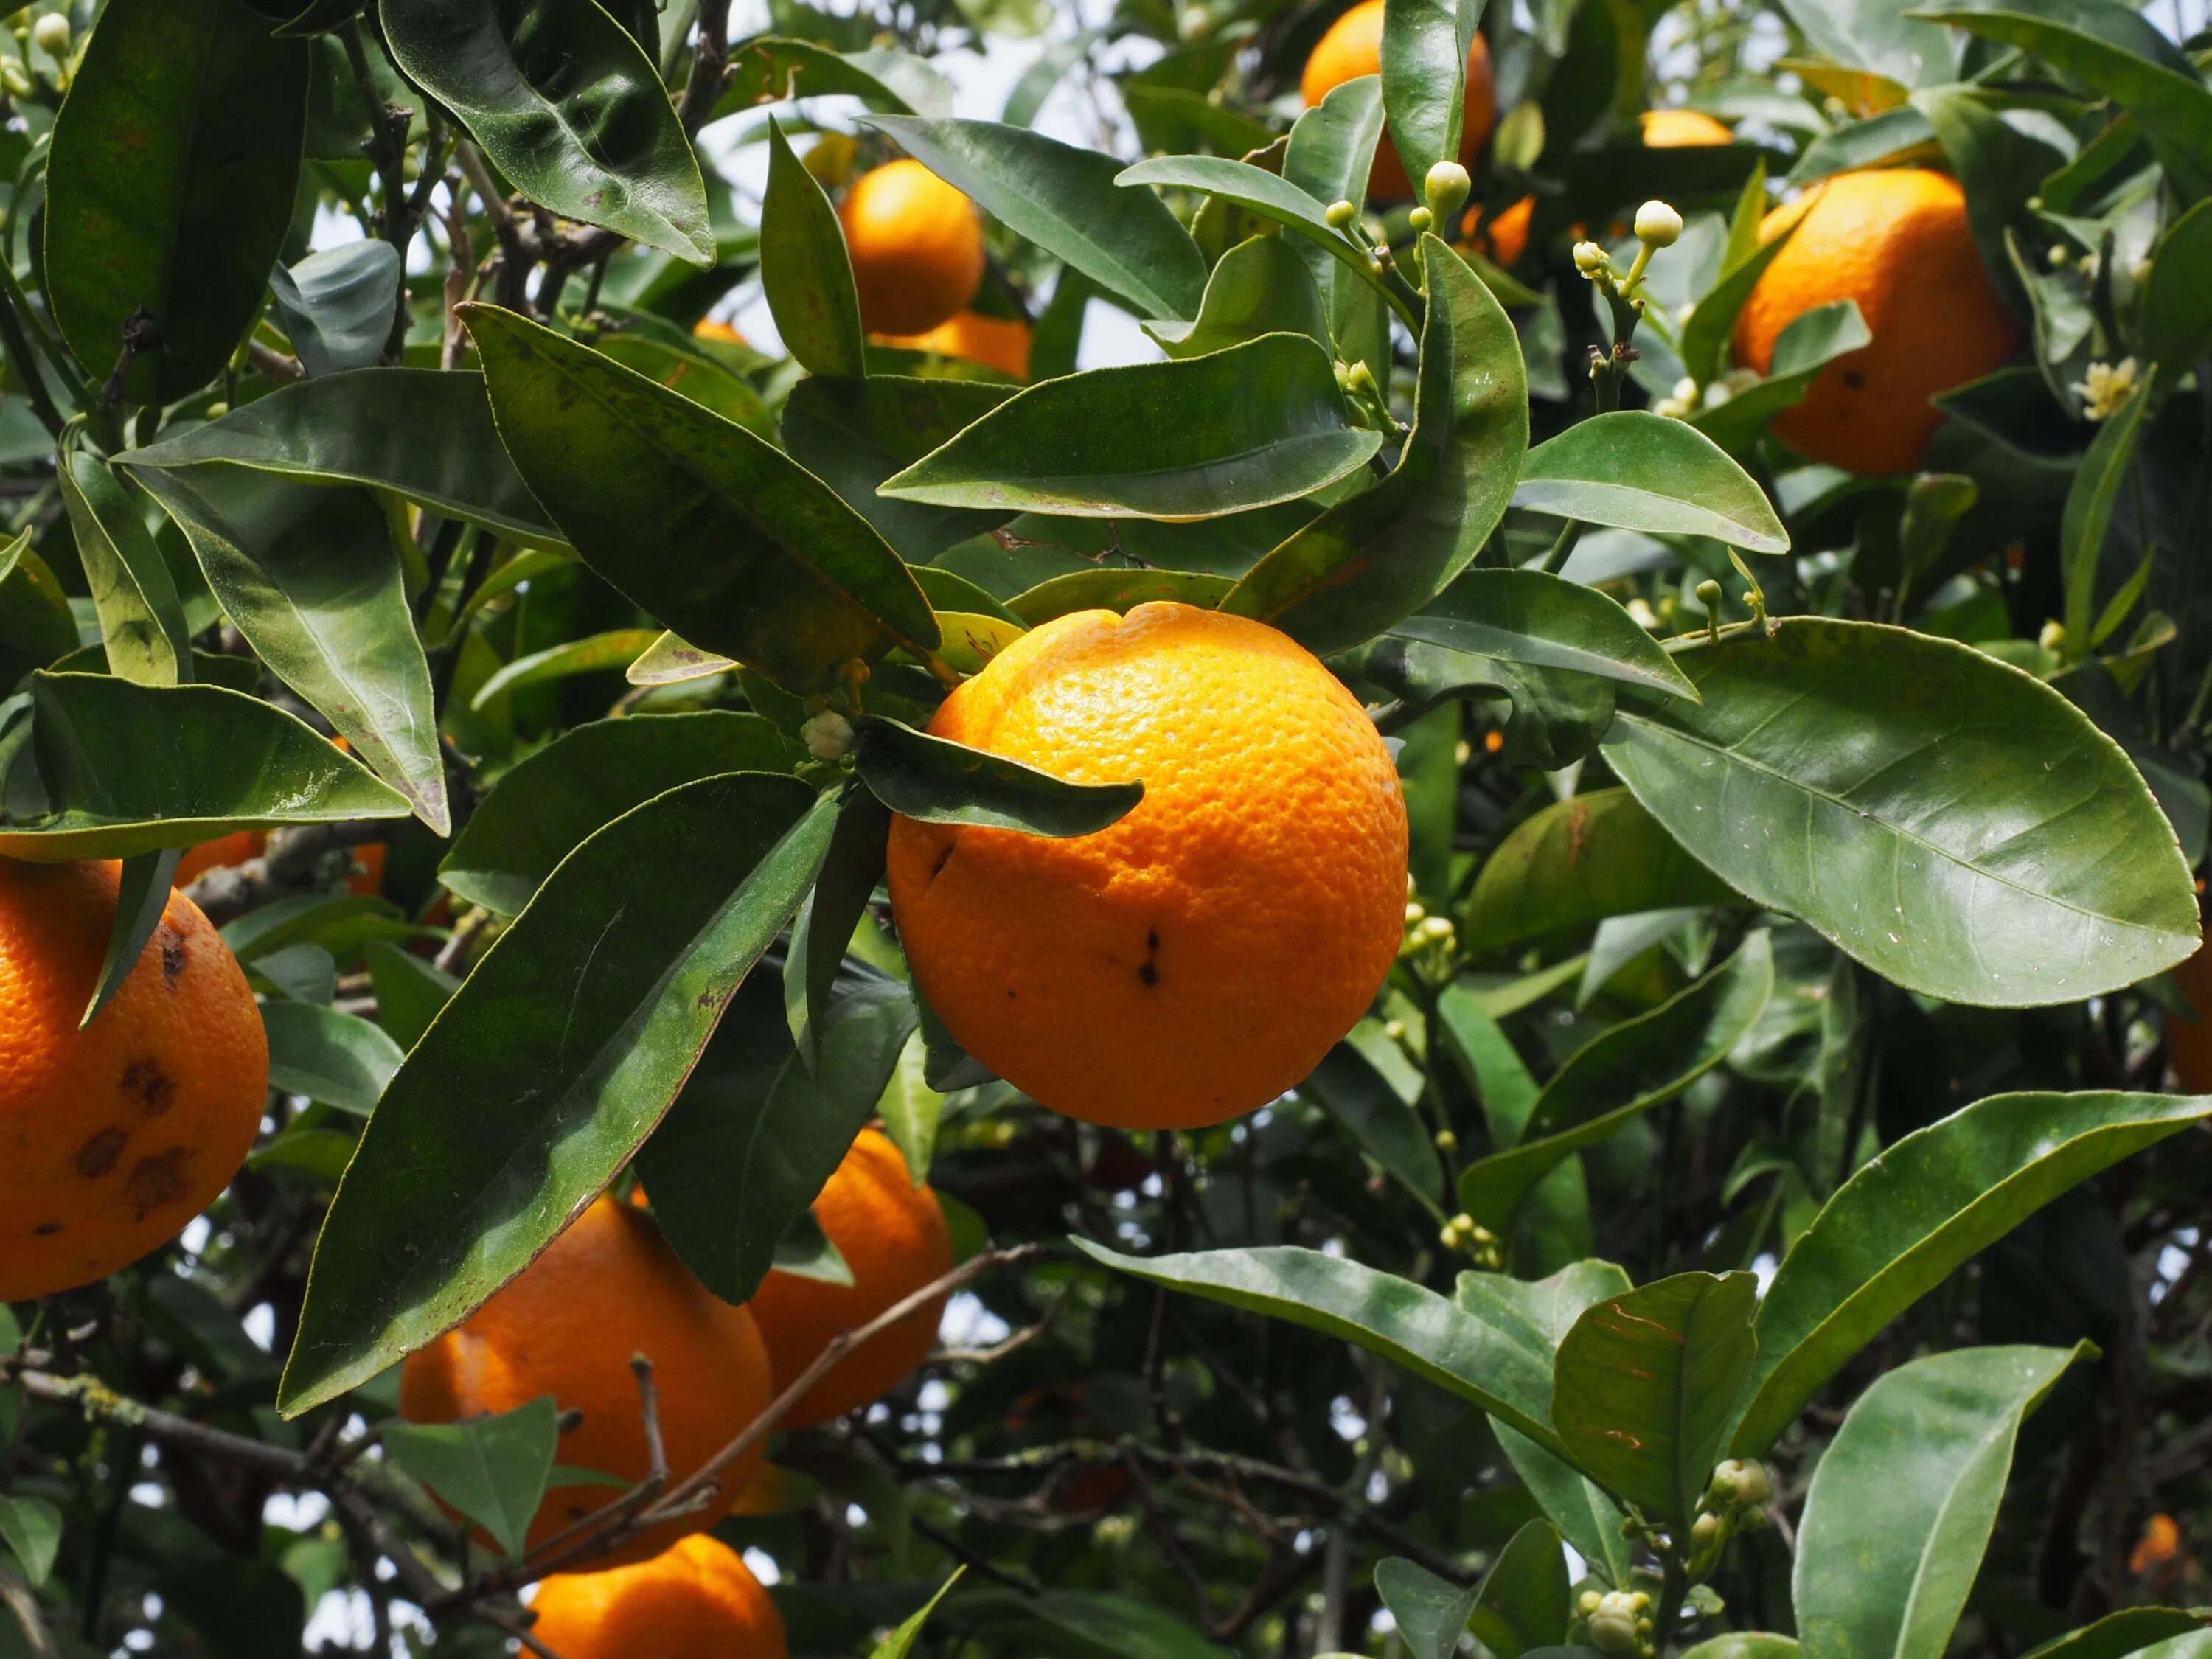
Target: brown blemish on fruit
{"x":172,"y":953}
{"x":158,"y":1180}
{"x":45,"y":1230}
{"x":98,"y":1155}
{"x":1150,"y":972}
{"x":145,"y":1082}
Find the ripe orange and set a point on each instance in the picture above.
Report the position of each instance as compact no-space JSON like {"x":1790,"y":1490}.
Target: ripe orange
{"x":223,"y":853}
{"x":2189,"y":1043}
{"x":113,"y":1138}
{"x":1001,"y":342}
{"x":1682,"y":129}
{"x":1897,"y":241}
{"x":1353,"y":47}
{"x":1199,"y":956}
{"x":893,"y":1237}
{"x":695,"y":1601}
{"x":1506,"y":238}
{"x":917,"y":247}
{"x":605,"y":1289}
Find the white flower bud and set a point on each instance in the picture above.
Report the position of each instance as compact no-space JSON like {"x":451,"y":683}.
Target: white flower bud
{"x":1590,"y":258}
{"x":1658,"y":224}
{"x":52,"y":33}
{"x":827,"y":736}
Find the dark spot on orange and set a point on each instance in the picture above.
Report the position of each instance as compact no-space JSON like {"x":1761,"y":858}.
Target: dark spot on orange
{"x":98,"y":1155}
{"x":145,"y":1082}
{"x":1853,"y":378}
{"x":172,"y":953}
{"x":576,"y":1511}
{"x":45,"y":1230}
{"x":158,"y":1180}
{"x":1150,"y":972}
{"x":944,"y":858}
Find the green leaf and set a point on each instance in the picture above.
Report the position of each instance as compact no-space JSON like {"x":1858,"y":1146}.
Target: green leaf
{"x":1545,"y":621}
{"x":1261,"y":286}
{"x":1905,"y":1495}
{"x":141,"y":620}
{"x":1349,"y":1090}
{"x":174,"y":163}
{"x":1243,"y":428}
{"x":2177,"y":323}
{"x":311,"y":578}
{"x":1894,"y":136}
{"x":670,"y":662}
{"x":336,"y":305}
{"x":1919,"y":1211}
{"x":805,"y":270}
{"x":1646,"y":1383}
{"x":1500,"y":1361}
{"x":2090,"y":500}
{"x":1430,"y":1613}
{"x":850,"y":873}
{"x":1520,"y":1606}
{"x":131,"y":768}
{"x":1424,"y":48}
{"x":774,"y":571}
{"x":1373,"y":559}
{"x":911,"y":1109}
{"x":1637,"y":471}
{"x":1744,"y":1644}
{"x":1329,"y":156}
{"x":939,"y":781}
{"x":549,"y":802}
{"x":1581,"y":860}
{"x":899,"y":1644}
{"x":1808,"y":344}
{"x":1557,"y":717}
{"x":770,"y":69}
{"x":568,"y":1041}
{"x":753,"y":1137}
{"x":1622,"y":1073}
{"x":1573,"y":1502}
{"x":852,"y":436}
{"x":142,"y":898}
{"x":1882,"y":36}
{"x":1952,"y":823}
{"x":1704,"y":343}
{"x":1120,"y":591}
{"x":36,"y":627}
{"x":595,"y":653}
{"x":32,"y":1528}
{"x":338,"y":1059}
{"x":410,"y":991}
{"x":493,"y":1469}
{"x":2130,"y":1631}
{"x":301,"y":917}
{"x":417,"y":432}
{"x":568,"y":105}
{"x":1063,"y":198}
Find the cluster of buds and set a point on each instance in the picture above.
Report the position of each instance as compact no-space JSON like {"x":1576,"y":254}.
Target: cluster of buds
{"x":1429,"y":941}
{"x":1618,"y":1622}
{"x":50,"y":34}
{"x":1735,"y":1500}
{"x":1443,"y":192}
{"x":1688,"y":397}
{"x":1657,"y":225}
{"x":1368,"y":407}
{"x":1479,"y":1244}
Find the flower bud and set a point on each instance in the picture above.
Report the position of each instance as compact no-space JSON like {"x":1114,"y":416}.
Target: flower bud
{"x":1588,"y":1603}
{"x":1445,"y":188}
{"x":52,"y":32}
{"x":1446,"y":1141}
{"x":1420,"y":219}
{"x":1590,"y":258}
{"x":1394,"y":1030}
{"x":1658,"y":224}
{"x":1704,"y":1533}
{"x":1340,"y":215}
{"x":827,"y":736}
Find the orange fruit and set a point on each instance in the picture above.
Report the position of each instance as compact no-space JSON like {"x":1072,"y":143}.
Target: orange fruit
{"x":2159,"y":1543}
{"x":1197,"y":958}
{"x":607,"y":1288}
{"x":1897,"y":241}
{"x":1507,"y":238}
{"x":708,"y":329}
{"x":695,"y":1601}
{"x":1003,"y":343}
{"x":223,"y":853}
{"x":893,"y":1237}
{"x":1353,"y":47}
{"x":1682,"y":129}
{"x":112,"y":1138}
{"x":917,"y":247}
{"x":2189,"y":1043}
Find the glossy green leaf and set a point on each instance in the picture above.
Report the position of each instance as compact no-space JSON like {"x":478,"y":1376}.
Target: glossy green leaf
{"x":566,"y":105}
{"x":492,"y":1469}
{"x":1545,"y":621}
{"x":775,"y":570}
{"x":1330,"y":154}
{"x":670,"y":662}
{"x":853,"y":436}
{"x":899,"y":1643}
{"x":1555,"y":717}
{"x":36,"y":627}
{"x":1424,"y":48}
{"x":1430,"y":1613}
{"x":1580,"y":861}
{"x":1120,"y":591}
{"x":336,"y":305}
{"x":1261,"y":286}
{"x":1371,"y":560}
{"x":753,"y":1136}
{"x":1808,"y":344}
{"x":1894,"y":136}
{"x":543,"y":807}
{"x":1585,"y":1517}
{"x":1647,"y":1383}
{"x":410,"y":991}
{"x":2130,"y":1631}
{"x":939,"y":782}
{"x":1906,"y":1495}
{"x":301,"y":918}
{"x":1919,"y":1211}
{"x":129,"y":769}
{"x":174,"y":161}
{"x":1884,"y":36}
{"x":911,"y":1110}
{"x":2090,"y":501}
{"x":311,"y":580}
{"x":1638,"y":470}
{"x":820,"y":937}
{"x":2177,"y":323}
{"x":141,"y":620}
{"x":1063,"y":198}
{"x":1348,"y":1088}
{"x":595,"y":653}
{"x":142,"y":898}
{"x":32,"y":1528}
{"x":1950,"y":822}
{"x":417,"y":432}
{"x":568,"y":1041}
{"x":336,"y":1058}
{"x":805,"y":270}
{"x":1520,"y":1606}
{"x":1243,"y":428}
{"x":1622,"y":1073}
{"x":1498,"y":1359}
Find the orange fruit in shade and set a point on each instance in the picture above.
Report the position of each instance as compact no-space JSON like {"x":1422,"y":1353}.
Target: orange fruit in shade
{"x":1353,"y":47}
{"x":1003,"y":343}
{"x":695,"y":1601}
{"x":607,"y":1288}
{"x":1198,"y":957}
{"x":1896,"y":241}
{"x":2189,"y":1043}
{"x":708,"y":329}
{"x":917,"y":247}
{"x":112,"y":1138}
{"x":1506,"y":238}
{"x":223,"y":853}
{"x":1683,"y":129}
{"x":893,"y":1237}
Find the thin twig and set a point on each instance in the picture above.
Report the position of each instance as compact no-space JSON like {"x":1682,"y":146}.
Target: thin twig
{"x":280,"y":366}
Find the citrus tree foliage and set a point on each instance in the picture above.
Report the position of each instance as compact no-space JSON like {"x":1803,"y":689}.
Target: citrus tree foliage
{"x":1751,"y":1218}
